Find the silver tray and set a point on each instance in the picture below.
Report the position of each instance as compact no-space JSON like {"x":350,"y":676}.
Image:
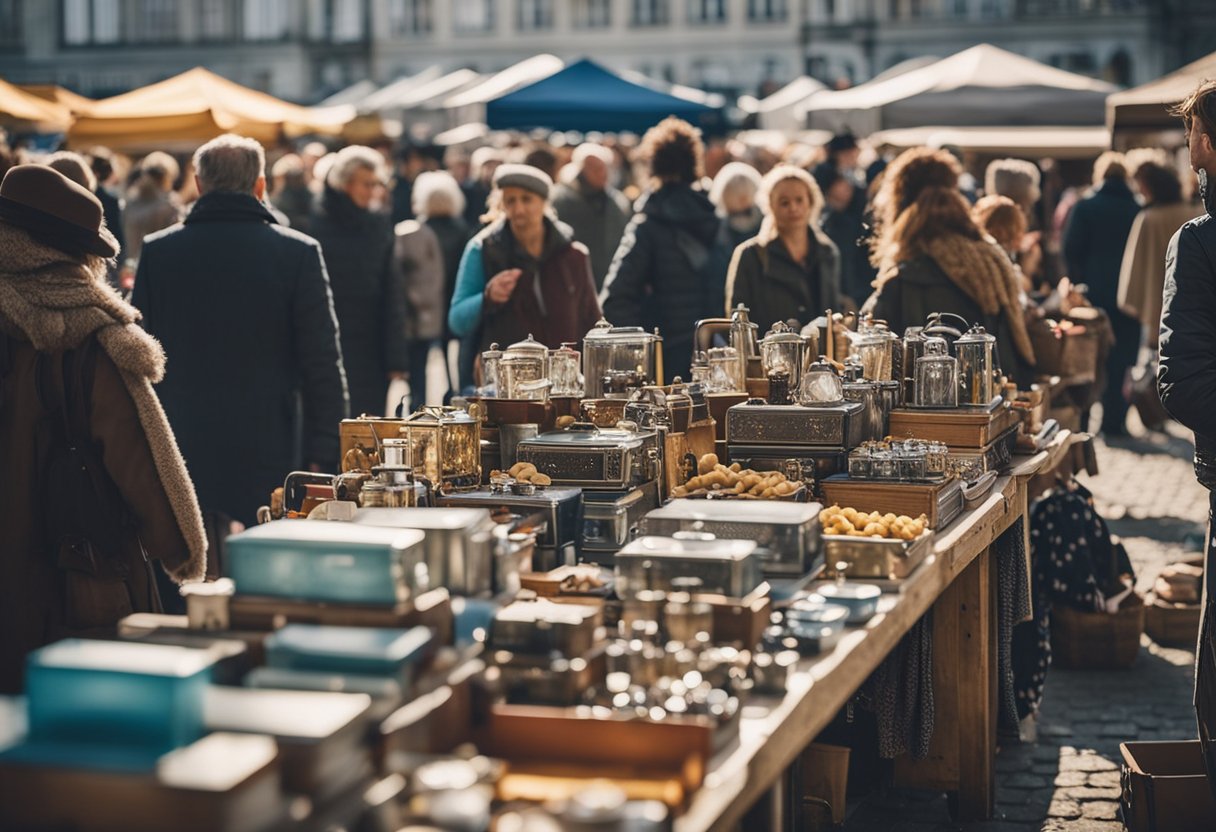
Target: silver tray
{"x":875,"y":558}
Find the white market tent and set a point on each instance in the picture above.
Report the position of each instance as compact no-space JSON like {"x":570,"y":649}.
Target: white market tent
{"x":783,"y":109}
{"x":469,"y":105}
{"x":1146,"y":108}
{"x":353,"y":94}
{"x":1024,"y":142}
{"x":983,"y":86}
{"x":386,"y":98}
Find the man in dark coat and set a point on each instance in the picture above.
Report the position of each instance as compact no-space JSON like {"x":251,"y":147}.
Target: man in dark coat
{"x":1187,"y":374}
{"x":597,"y":212}
{"x":358,"y":246}
{"x":243,"y":309}
{"x":1093,"y":247}
{"x":665,"y":273}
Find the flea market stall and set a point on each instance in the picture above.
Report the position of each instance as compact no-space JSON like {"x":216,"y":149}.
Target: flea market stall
{"x":587,"y":597}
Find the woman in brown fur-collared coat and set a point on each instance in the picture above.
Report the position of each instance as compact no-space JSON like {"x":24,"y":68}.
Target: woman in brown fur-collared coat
{"x":54,"y":301}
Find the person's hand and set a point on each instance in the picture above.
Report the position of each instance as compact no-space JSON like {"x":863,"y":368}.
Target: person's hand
{"x":501,"y":285}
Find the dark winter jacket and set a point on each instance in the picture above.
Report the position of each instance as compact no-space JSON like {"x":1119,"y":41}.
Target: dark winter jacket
{"x":847,"y":229}
{"x":295,"y":201}
{"x":598,"y":219}
{"x":664,"y":273}
{"x":1186,"y":375}
{"x":554,"y":300}
{"x":1095,"y":239}
{"x":476,"y":193}
{"x":358,"y":249}
{"x":244,"y":311}
{"x":766,"y":279}
{"x":921,"y":288}
{"x":453,"y":234}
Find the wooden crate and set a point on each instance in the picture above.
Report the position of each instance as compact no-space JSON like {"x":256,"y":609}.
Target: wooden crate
{"x":1097,"y":640}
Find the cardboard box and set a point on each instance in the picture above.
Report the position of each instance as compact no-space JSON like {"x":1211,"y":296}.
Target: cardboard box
{"x":1165,"y":787}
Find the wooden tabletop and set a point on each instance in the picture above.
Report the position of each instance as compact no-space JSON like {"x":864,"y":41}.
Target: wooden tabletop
{"x":774,"y":730}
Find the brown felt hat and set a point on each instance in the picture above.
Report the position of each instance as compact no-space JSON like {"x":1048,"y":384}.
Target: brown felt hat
{"x":55,"y":210}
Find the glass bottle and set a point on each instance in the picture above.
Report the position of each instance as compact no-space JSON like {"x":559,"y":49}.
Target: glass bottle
{"x":821,"y":385}
{"x":936,"y":375}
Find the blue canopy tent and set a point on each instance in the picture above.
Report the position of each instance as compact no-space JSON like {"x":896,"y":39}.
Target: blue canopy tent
{"x":587,"y":97}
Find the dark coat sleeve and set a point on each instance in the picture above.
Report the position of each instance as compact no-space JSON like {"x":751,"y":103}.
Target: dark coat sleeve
{"x":141,"y":294}
{"x":1076,"y":242}
{"x":319,"y":356}
{"x":393,"y":309}
{"x":588,"y":313}
{"x":745,"y":268}
{"x":1186,"y":376}
{"x":627,"y":283}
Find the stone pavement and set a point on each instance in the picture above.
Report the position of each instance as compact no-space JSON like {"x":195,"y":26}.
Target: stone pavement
{"x":1068,"y":781}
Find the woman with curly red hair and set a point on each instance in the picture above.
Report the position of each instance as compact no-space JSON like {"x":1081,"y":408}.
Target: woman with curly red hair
{"x":932,"y":257}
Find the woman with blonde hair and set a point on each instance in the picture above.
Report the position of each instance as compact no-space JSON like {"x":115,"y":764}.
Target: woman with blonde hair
{"x":932,"y":257}
{"x":1003,"y":220}
{"x":791,"y":269}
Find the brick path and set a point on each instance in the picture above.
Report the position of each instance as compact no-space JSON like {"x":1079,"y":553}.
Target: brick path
{"x":1068,"y":781}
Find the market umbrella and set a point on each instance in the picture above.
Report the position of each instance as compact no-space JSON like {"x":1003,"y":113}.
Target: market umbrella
{"x":183,"y":111}
{"x":75,"y":102}
{"x":24,"y":111}
{"x":783,"y":109}
{"x":1146,"y":107}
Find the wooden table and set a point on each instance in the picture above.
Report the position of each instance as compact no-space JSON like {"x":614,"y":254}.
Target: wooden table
{"x":958,"y":582}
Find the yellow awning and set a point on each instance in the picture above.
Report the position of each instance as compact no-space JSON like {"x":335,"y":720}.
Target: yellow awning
{"x":21,"y":109}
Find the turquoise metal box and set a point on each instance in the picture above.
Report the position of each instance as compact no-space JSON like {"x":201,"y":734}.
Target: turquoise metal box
{"x":368,"y":651}
{"x":315,"y":560}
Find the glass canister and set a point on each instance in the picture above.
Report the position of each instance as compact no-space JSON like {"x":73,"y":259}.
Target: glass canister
{"x":489,"y":370}
{"x":976,"y":351}
{"x":725,"y":371}
{"x":779,"y":387}
{"x":627,"y":353}
{"x":564,"y":371}
{"x":936,"y":375}
{"x":523,"y":371}
{"x":781,"y":351}
{"x":821,"y":385}
{"x":700,"y":369}
{"x":874,"y":346}
{"x":913,"y":348}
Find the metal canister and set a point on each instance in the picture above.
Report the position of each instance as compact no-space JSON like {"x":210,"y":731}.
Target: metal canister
{"x":977,"y":366}
{"x":489,"y":369}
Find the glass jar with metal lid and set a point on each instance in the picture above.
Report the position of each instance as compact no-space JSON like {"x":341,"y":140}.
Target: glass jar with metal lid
{"x":609,"y":350}
{"x":977,"y":366}
{"x":781,"y":351}
{"x":821,"y":385}
{"x":523,"y":371}
{"x":936,"y":375}
{"x":489,"y":371}
{"x":565,"y":364}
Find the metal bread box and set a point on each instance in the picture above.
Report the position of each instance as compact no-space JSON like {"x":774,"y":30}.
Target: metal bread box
{"x":458,"y":547}
{"x":839,"y":426}
{"x":590,"y":457}
{"x":787,"y":533}
{"x":613,"y":518}
{"x":540,"y":628}
{"x":558,"y":510}
{"x":724,"y":567}
{"x":316,"y":560}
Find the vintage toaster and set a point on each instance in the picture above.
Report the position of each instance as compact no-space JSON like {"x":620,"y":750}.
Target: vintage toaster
{"x":555,"y":513}
{"x":316,"y":560}
{"x":724,"y":567}
{"x":458,"y":547}
{"x":787,"y":533}
{"x":590,"y":457}
{"x":828,"y":427}
{"x":445,"y":446}
{"x":613,"y":518}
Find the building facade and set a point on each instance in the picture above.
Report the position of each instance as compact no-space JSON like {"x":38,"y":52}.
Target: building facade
{"x":305,"y":49}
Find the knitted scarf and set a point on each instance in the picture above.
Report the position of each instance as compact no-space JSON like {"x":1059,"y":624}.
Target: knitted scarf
{"x":984,"y":272}
{"x":56,"y":302}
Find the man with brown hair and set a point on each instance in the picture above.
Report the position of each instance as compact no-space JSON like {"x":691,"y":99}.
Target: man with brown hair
{"x":1187,"y":374}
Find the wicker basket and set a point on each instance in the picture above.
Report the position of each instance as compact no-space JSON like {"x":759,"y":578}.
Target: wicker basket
{"x":1172,"y":625}
{"x":1097,"y":640}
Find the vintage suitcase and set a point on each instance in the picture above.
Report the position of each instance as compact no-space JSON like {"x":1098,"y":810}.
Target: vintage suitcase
{"x":958,"y":427}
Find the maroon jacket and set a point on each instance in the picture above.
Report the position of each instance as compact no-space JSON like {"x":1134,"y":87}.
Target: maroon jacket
{"x":554,"y":300}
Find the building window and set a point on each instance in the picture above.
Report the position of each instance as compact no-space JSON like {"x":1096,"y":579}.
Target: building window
{"x":767,"y":11}
{"x":473,"y":16}
{"x":346,"y":21}
{"x":10,"y":21}
{"x":706,"y":11}
{"x":91,"y":22}
{"x":532,"y":15}
{"x":410,"y":17}
{"x":214,"y":19}
{"x":651,"y":13}
{"x":267,"y":19}
{"x":155,"y":21}
{"x":592,"y":14}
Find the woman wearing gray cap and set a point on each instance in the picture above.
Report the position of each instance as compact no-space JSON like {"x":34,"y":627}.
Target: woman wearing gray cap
{"x":524,"y":273}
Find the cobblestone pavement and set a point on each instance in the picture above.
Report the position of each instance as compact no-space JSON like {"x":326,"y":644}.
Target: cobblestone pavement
{"x":1068,"y":781}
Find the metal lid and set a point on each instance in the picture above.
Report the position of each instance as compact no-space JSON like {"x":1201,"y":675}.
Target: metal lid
{"x":493,"y":352}
{"x":432,"y":414}
{"x":714,"y":549}
{"x":976,"y":335}
{"x":604,"y":331}
{"x":529,"y":347}
{"x":586,"y":435}
{"x":935,"y":346}
{"x":781,"y":333}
